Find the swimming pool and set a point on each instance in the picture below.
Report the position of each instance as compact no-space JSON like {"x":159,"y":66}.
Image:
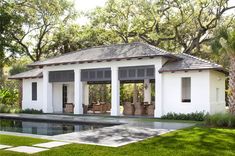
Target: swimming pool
{"x":45,"y":128}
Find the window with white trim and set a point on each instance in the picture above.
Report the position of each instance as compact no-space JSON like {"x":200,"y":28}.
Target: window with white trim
{"x":186,"y":89}
{"x":34,"y":91}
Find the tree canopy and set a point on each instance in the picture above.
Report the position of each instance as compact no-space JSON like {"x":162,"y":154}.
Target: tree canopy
{"x":39,"y":29}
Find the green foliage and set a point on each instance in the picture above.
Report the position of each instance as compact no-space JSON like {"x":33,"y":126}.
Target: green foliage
{"x":169,"y":24}
{"x":9,"y":94}
{"x":34,"y":22}
{"x":8,"y":109}
{"x":31,"y":111}
{"x":197,"y":116}
{"x":19,"y":66}
{"x":221,"y":120}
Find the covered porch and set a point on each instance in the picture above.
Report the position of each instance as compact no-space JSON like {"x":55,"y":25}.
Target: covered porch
{"x":70,"y":91}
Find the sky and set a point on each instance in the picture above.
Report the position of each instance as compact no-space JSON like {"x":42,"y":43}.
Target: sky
{"x":86,"y":5}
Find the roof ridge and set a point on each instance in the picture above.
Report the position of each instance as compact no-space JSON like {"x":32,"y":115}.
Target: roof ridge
{"x":157,"y":48}
{"x":200,"y":59}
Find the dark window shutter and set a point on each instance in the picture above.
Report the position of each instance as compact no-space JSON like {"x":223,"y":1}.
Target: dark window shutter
{"x":132,"y":72}
{"x":140,"y":72}
{"x":61,"y":76}
{"x":34,"y":91}
{"x":150,"y":72}
{"x":123,"y":73}
{"x":92,"y":75}
{"x":107,"y":74}
{"x":99,"y":74}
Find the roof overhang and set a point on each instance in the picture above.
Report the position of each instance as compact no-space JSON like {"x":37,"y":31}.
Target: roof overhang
{"x":170,"y":56}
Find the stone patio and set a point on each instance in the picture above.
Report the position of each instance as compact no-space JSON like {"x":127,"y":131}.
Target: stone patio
{"x":51,"y":144}
{"x":4,"y":146}
{"x":26,"y":149}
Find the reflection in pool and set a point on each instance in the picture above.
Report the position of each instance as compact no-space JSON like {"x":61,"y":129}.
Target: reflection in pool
{"x":44,"y":128}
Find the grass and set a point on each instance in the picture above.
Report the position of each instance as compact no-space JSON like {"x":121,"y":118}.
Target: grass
{"x":192,"y":141}
{"x":167,"y":120}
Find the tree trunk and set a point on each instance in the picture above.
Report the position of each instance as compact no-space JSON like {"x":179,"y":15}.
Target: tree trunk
{"x":232,"y":85}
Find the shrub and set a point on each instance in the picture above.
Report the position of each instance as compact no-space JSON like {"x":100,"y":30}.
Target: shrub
{"x":9,"y":94}
{"x":221,"y":120}
{"x":31,"y":111}
{"x":8,"y":109}
{"x":197,"y":116}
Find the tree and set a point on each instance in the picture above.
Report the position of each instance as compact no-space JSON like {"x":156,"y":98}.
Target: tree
{"x":74,"y":37}
{"x":225,"y":43}
{"x":4,"y":39}
{"x":34,"y":22}
{"x":175,"y":25}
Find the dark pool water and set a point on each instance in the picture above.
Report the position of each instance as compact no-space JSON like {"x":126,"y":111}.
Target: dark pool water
{"x":44,"y":128}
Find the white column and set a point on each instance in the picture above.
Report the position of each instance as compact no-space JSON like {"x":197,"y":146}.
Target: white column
{"x":47,"y":93}
{"x":135,"y":97}
{"x":86,"y":93}
{"x":158,"y":93}
{"x":147,"y":91}
{"x":78,"y":92}
{"x":115,"y":110}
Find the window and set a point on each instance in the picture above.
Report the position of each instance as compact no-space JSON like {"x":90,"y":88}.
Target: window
{"x":186,"y":89}
{"x":217,"y":94}
{"x":34,"y":91}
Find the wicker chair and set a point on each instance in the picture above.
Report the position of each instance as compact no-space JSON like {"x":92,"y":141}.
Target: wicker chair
{"x":69,"y":108}
{"x":128,"y":108}
{"x":150,"y":109}
{"x":85,"y":108}
{"x":139,"y":108}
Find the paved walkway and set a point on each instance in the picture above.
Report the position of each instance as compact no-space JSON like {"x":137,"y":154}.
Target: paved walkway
{"x":35,"y":148}
{"x":126,"y":130}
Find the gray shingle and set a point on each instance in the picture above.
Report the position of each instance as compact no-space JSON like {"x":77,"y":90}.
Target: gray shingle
{"x":179,"y":62}
{"x":34,"y":73}
{"x":189,"y":62}
{"x":118,"y":51}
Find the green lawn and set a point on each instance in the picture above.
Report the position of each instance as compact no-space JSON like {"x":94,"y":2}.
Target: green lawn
{"x":190,"y":141}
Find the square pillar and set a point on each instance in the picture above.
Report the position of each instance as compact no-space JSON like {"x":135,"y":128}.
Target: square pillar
{"x":158,"y":112}
{"x":115,"y":99}
{"x":86,"y":93}
{"x":47,"y":93}
{"x":147,"y":91}
{"x":78,"y":92}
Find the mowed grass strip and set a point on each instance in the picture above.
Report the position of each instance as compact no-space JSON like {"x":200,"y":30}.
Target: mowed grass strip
{"x":196,"y":141}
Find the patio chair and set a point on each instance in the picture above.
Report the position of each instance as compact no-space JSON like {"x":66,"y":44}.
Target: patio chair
{"x":69,"y":108}
{"x":139,"y":108}
{"x":150,"y":109}
{"x":128,"y":108}
{"x":85,"y":108}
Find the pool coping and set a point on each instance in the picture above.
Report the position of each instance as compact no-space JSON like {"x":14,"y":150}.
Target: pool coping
{"x":38,"y":119}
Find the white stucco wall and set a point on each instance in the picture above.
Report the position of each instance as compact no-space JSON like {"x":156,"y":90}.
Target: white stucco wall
{"x":168,"y":88}
{"x":57,"y":95}
{"x":200,"y":92}
{"x":27,"y":101}
{"x":217,"y":84}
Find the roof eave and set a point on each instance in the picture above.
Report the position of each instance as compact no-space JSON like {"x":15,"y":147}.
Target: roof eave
{"x":220,"y":69}
{"x":26,"y":77}
{"x":101,"y":60}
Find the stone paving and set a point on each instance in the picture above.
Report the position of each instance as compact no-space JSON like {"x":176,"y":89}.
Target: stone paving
{"x":127,"y":131}
{"x":31,"y":150}
{"x":4,"y":146}
{"x":51,"y":144}
{"x":26,"y":149}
